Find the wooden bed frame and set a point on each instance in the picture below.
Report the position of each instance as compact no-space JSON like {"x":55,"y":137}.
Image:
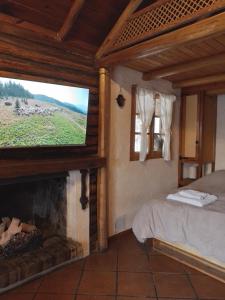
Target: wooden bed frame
{"x":192,"y":260}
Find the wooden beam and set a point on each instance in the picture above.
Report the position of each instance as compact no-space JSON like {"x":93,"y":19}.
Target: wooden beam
{"x":25,"y":7}
{"x":32,"y":51}
{"x":69,"y":47}
{"x":200,"y":81}
{"x":216,"y":92}
{"x":195,"y":261}
{"x":70,"y":19}
{"x":12,"y":168}
{"x":131,"y":7}
{"x":184,"y":68}
{"x":38,"y":77}
{"x":104,"y":120}
{"x":204,"y":87}
{"x":189,"y":34}
{"x":14,"y":64}
{"x":43,"y":32}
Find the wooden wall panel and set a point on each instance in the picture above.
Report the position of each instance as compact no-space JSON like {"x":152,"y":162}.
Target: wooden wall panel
{"x":48,"y":62}
{"x":209,"y":128}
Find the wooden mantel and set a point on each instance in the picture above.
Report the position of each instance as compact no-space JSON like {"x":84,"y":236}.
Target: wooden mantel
{"x":17,"y":168}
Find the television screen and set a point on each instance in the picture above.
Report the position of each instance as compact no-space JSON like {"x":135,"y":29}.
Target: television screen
{"x":41,"y":114}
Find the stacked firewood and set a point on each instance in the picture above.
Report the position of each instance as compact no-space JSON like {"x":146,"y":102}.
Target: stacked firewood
{"x":16,"y":237}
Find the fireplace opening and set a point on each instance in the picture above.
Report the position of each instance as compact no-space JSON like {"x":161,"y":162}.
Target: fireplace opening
{"x":40,"y":204}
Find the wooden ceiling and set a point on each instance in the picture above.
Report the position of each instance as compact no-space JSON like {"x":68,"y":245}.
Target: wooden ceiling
{"x":94,"y":19}
{"x":187,"y":54}
{"x":47,"y":14}
{"x":160,"y":65}
{"x":83,"y":25}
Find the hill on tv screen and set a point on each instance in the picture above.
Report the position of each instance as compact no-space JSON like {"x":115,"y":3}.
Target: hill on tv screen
{"x":36,"y":114}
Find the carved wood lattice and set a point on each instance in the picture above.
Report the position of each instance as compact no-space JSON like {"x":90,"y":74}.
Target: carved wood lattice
{"x":163,"y":16}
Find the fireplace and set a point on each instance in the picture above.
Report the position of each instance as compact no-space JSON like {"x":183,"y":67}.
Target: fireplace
{"x":51,"y":202}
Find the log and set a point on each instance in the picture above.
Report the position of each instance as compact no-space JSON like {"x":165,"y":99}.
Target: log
{"x":184,"y":68}
{"x":70,"y":20}
{"x":14,"y":228}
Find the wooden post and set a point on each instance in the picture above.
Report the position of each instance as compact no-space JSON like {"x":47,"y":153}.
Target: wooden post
{"x":131,"y":7}
{"x":70,"y":19}
{"x":104,"y":89}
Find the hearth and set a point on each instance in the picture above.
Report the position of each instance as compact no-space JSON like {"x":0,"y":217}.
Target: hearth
{"x":38,"y":205}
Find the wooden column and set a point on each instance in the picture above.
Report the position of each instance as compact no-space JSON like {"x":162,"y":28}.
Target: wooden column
{"x":104,"y":97}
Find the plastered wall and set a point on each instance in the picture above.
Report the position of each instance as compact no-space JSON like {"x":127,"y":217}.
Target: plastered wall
{"x":77,"y":218}
{"x":133,"y":183}
{"x":220,"y":138}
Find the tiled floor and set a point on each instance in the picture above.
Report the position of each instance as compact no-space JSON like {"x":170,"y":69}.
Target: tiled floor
{"x":125,"y":272}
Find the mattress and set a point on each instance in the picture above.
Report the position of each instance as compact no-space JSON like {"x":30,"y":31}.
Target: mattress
{"x":201,"y":229}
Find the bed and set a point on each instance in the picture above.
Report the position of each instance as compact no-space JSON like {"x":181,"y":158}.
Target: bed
{"x":191,"y":227}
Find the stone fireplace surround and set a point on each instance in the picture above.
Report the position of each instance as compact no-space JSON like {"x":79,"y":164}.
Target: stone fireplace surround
{"x":51,"y":202}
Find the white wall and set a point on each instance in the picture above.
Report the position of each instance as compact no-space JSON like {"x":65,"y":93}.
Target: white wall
{"x":133,"y":183}
{"x":220,"y":138}
{"x":77,"y":219}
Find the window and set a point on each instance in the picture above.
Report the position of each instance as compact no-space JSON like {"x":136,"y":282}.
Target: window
{"x":155,"y":135}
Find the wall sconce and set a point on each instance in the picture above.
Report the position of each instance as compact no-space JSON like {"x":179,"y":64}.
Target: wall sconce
{"x":120,"y":100}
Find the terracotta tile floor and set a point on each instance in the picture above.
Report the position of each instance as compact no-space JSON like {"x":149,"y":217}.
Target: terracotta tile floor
{"x":127,"y":271}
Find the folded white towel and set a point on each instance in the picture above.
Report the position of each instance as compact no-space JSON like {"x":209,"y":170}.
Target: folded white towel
{"x":193,"y":194}
{"x":196,"y":202}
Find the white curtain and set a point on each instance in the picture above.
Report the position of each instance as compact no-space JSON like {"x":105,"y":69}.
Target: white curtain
{"x":166,"y":117}
{"x":146,"y":108}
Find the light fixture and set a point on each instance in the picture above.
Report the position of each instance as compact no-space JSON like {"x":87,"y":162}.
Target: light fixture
{"x":120,"y":100}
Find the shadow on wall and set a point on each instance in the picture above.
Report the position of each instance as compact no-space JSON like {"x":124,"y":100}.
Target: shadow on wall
{"x":133,"y":183}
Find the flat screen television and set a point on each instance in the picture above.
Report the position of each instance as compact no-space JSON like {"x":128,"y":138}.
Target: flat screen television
{"x":38,"y":114}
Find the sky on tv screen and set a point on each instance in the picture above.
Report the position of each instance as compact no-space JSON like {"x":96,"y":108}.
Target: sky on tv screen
{"x":41,"y":114}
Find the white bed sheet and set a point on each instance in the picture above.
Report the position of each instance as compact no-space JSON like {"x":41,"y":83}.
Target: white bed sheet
{"x":202,"y":229}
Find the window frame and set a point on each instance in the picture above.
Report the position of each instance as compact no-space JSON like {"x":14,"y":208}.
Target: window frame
{"x":134,"y":156}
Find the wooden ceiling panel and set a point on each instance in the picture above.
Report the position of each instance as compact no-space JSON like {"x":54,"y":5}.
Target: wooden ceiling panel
{"x":96,"y":20}
{"x":43,"y":15}
{"x":187,"y":63}
{"x":52,"y":7}
{"x":199,"y":73}
{"x":183,"y":54}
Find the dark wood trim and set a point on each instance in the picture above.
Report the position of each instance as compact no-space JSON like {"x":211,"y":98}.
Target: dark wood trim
{"x":70,"y":19}
{"x":133,"y":154}
{"x":196,"y":262}
{"x":84,"y":199}
{"x":24,"y":66}
{"x":33,"y":178}
{"x":181,"y":139}
{"x":28,"y":167}
{"x":103,"y":151}
{"x":16,"y":22}
{"x":93,"y":209}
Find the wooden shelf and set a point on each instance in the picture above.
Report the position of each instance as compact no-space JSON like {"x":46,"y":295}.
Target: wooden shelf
{"x":27,"y":167}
